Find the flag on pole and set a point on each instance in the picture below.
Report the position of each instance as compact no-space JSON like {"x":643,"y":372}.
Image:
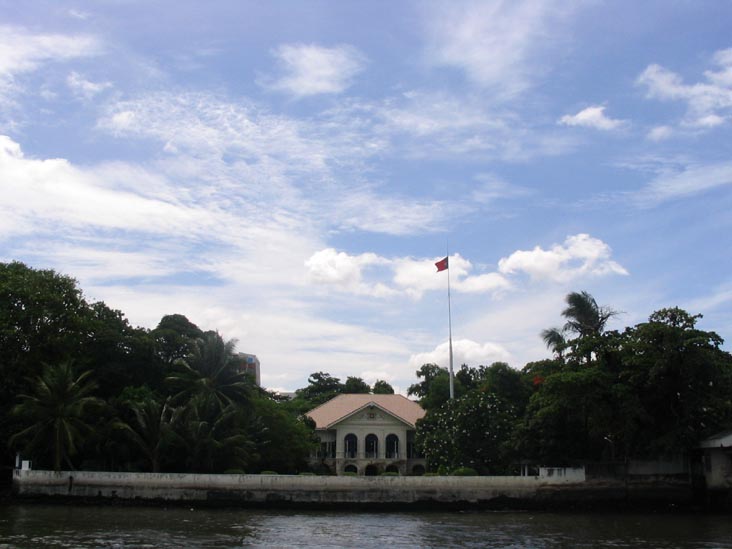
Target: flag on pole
{"x":441,"y":265}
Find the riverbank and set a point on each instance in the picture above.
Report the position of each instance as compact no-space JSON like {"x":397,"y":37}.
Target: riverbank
{"x":351,"y":492}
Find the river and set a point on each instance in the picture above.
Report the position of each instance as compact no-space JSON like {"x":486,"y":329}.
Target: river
{"x":66,"y":526}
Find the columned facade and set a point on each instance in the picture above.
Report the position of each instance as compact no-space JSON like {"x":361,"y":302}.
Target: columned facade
{"x":370,"y":440}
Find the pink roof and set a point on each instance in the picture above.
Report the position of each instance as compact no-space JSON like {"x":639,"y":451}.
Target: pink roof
{"x":342,"y":406}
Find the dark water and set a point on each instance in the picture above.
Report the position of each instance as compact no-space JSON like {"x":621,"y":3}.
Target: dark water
{"x":83,"y":526}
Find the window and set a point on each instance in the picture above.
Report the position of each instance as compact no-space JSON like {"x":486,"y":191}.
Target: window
{"x":350,"y":446}
{"x":372,"y":446}
{"x":392,"y":447}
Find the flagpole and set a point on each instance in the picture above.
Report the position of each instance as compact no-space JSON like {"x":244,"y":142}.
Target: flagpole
{"x":449,"y":324}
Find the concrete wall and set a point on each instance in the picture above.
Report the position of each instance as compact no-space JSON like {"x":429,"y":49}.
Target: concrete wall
{"x":277,"y":488}
{"x":557,"y":475}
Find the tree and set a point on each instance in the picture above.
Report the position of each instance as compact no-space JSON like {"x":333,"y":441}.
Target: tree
{"x":679,"y":384}
{"x":321,"y":388}
{"x":153,"y":429}
{"x":356,"y":385}
{"x":584,"y":316}
{"x":382,"y":388}
{"x":217,"y":440}
{"x":585,"y":319}
{"x":42,"y":320}
{"x":175,"y":338}
{"x":209,"y":375}
{"x":555,"y":340}
{"x":434,"y":391}
{"x":470,"y":431}
{"x":56,"y":409}
{"x":283,"y":442}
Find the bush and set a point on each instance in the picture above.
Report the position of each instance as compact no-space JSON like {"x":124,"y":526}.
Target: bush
{"x":431,"y":475}
{"x":464,"y":472}
{"x":389,"y":474}
{"x":349,"y":474}
{"x":306,"y":474}
{"x":268,"y":473}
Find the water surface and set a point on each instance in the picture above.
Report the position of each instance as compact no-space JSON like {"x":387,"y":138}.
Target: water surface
{"x":126,"y":527}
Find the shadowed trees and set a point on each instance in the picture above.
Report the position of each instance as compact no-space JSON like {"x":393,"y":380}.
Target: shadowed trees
{"x":56,"y":409}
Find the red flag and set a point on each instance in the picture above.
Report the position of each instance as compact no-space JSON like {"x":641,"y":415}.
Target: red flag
{"x":441,"y":265}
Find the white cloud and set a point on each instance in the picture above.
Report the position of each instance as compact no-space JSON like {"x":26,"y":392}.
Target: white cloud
{"x":85,"y":88}
{"x":659,"y":133}
{"x":465,"y":351}
{"x":367,"y":211}
{"x":344,"y":271}
{"x":580,"y":255}
{"x":685,"y":181}
{"x":415,"y":277}
{"x":23,"y":51}
{"x":709,"y":102}
{"x":592,"y":117}
{"x":498,"y":44}
{"x":311,"y":69}
{"x":269,"y":154}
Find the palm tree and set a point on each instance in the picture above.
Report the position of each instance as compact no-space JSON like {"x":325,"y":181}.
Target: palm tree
{"x":56,"y":409}
{"x":153,"y":429}
{"x":210,"y":374}
{"x":217,"y":440}
{"x":584,"y":316}
{"x":555,"y":340}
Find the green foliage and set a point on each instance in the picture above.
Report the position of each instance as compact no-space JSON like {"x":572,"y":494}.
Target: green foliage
{"x":471,"y":431}
{"x":56,"y":411}
{"x":153,"y":430}
{"x":210,"y":375}
{"x":382,"y":388}
{"x":283,"y":441}
{"x":655,"y":389}
{"x":464,"y":472}
{"x":434,"y":390}
{"x":356,"y":385}
{"x":321,"y":388}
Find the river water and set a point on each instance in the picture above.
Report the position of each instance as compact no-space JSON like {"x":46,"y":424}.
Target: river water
{"x":67,"y":526}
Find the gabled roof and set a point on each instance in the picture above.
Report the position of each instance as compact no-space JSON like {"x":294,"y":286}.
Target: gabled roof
{"x":338,"y":408}
{"x":720,"y":439}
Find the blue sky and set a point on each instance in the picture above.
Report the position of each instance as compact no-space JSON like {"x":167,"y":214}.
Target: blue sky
{"x":289,"y":172}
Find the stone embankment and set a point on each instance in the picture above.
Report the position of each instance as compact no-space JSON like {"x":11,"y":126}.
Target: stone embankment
{"x":405,"y":492}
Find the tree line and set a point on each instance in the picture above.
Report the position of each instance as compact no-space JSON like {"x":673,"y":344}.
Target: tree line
{"x":84,"y":389}
{"x":650,"y":391}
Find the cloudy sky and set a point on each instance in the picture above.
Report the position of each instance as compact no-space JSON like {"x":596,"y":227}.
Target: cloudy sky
{"x":289,"y":172}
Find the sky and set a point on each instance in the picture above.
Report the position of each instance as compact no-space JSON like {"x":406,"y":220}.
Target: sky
{"x":288,"y":172}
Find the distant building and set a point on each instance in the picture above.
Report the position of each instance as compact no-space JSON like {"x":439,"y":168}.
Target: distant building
{"x":249,"y":364}
{"x":367,"y":435}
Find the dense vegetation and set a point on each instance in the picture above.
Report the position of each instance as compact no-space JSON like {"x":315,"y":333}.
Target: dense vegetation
{"x":650,"y":391}
{"x":84,"y":389}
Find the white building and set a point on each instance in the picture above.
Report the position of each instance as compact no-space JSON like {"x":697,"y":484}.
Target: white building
{"x":718,"y":461}
{"x":367,"y":435}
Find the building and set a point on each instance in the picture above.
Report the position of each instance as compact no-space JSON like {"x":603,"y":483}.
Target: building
{"x":717,"y":452}
{"x":249,"y":364}
{"x":367,"y":435}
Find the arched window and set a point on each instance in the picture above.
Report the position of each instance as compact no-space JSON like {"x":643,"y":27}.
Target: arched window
{"x":392,"y":447}
{"x":372,"y":446}
{"x":418,"y":470}
{"x":350,"y":469}
{"x":391,"y":469}
{"x":350,"y":445}
{"x":371,"y":471}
